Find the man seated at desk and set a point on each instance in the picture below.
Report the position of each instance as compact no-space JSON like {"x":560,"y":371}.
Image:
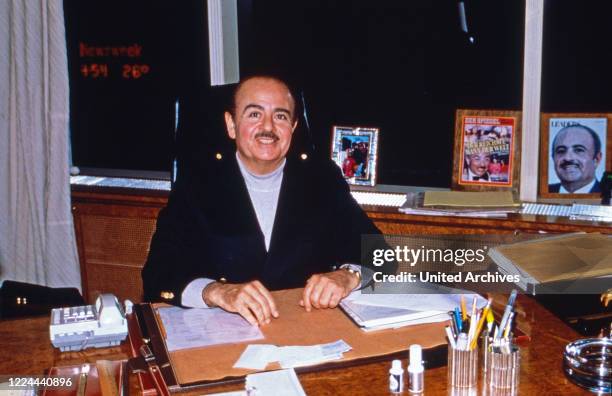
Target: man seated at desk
{"x":257,"y":219}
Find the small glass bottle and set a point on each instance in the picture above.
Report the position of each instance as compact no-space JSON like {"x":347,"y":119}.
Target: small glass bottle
{"x":416,"y":378}
{"x":396,"y":377}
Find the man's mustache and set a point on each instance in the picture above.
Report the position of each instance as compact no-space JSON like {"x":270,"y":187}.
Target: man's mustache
{"x":567,"y":163}
{"x":266,"y":135}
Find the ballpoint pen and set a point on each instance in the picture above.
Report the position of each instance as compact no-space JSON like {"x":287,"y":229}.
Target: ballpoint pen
{"x":508,"y":325}
{"x":512,"y":297}
{"x":509,"y":307}
{"x":459,"y":321}
{"x":453,"y":321}
{"x":453,"y":326}
{"x":463,"y":308}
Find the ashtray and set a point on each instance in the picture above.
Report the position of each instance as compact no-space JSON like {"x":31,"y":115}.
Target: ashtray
{"x":588,"y":363}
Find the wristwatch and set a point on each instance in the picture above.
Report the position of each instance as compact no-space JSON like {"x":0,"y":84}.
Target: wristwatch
{"x":353,"y":269}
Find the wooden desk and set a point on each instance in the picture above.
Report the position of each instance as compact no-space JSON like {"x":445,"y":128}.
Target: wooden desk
{"x":26,"y":349}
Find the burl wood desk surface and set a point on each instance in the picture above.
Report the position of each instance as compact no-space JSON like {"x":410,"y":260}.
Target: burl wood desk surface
{"x":26,"y":349}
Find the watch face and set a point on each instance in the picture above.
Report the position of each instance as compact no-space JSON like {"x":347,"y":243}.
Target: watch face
{"x":354,"y":272}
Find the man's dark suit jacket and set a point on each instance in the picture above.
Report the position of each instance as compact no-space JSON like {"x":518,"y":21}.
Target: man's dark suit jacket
{"x":555,"y":188}
{"x":209,"y":229}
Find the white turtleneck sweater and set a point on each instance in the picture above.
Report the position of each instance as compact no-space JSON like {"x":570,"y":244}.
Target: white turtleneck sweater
{"x":263,"y":191}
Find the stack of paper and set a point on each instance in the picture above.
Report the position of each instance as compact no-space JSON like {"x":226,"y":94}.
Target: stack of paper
{"x":370,"y":317}
{"x":257,"y":356}
{"x":425,"y":304}
{"x":466,"y":199}
{"x":460,"y":203}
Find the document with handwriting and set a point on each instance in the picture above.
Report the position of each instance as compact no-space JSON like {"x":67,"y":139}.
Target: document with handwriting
{"x":193,"y":327}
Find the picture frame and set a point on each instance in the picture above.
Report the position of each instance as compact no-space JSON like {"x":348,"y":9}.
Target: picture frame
{"x":486,"y":153}
{"x":569,"y":168}
{"x":355,"y":151}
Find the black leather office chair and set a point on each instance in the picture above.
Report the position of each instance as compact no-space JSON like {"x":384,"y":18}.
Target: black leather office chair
{"x":18,"y":299}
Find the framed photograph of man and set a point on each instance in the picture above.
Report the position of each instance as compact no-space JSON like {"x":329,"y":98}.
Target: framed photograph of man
{"x":354,"y":150}
{"x":575,"y":151}
{"x":486,"y":152}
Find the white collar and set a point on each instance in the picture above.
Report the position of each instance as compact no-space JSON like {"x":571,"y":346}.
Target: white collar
{"x":262,"y":183}
{"x":270,"y":175}
{"x":582,"y":190}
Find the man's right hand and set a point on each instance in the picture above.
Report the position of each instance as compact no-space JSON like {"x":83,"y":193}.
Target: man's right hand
{"x":251,"y":300}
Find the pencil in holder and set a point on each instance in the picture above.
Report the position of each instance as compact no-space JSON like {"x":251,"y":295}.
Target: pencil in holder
{"x":462,"y":367}
{"x":503,"y":368}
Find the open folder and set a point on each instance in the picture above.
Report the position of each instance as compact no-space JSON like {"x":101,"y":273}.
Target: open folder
{"x":295,"y":326}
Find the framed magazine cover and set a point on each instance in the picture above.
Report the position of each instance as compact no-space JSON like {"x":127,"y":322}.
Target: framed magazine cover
{"x":487,"y":150}
{"x":355,"y":151}
{"x":575,"y":151}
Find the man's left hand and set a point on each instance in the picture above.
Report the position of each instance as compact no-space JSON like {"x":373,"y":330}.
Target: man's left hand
{"x":327,"y":289}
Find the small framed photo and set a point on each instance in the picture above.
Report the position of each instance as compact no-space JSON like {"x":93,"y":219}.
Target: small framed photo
{"x":354,"y":150}
{"x":575,"y":151}
{"x":487,"y":150}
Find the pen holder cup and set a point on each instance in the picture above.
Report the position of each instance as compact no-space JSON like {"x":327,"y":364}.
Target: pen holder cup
{"x":462,"y":368}
{"x":503,"y":368}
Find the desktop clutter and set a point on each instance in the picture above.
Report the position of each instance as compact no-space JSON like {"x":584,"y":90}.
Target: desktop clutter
{"x":586,"y":362}
{"x":498,"y":204}
{"x":100,"y":325}
{"x":500,"y":356}
{"x":483,"y":356}
{"x":467,"y":332}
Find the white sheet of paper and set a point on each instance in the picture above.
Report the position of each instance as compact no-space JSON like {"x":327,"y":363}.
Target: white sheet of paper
{"x":192,"y":328}
{"x":296,"y":356}
{"x":257,"y":356}
{"x":273,"y":383}
{"x":307,"y":360}
{"x":429,"y":319}
{"x":335,"y":347}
